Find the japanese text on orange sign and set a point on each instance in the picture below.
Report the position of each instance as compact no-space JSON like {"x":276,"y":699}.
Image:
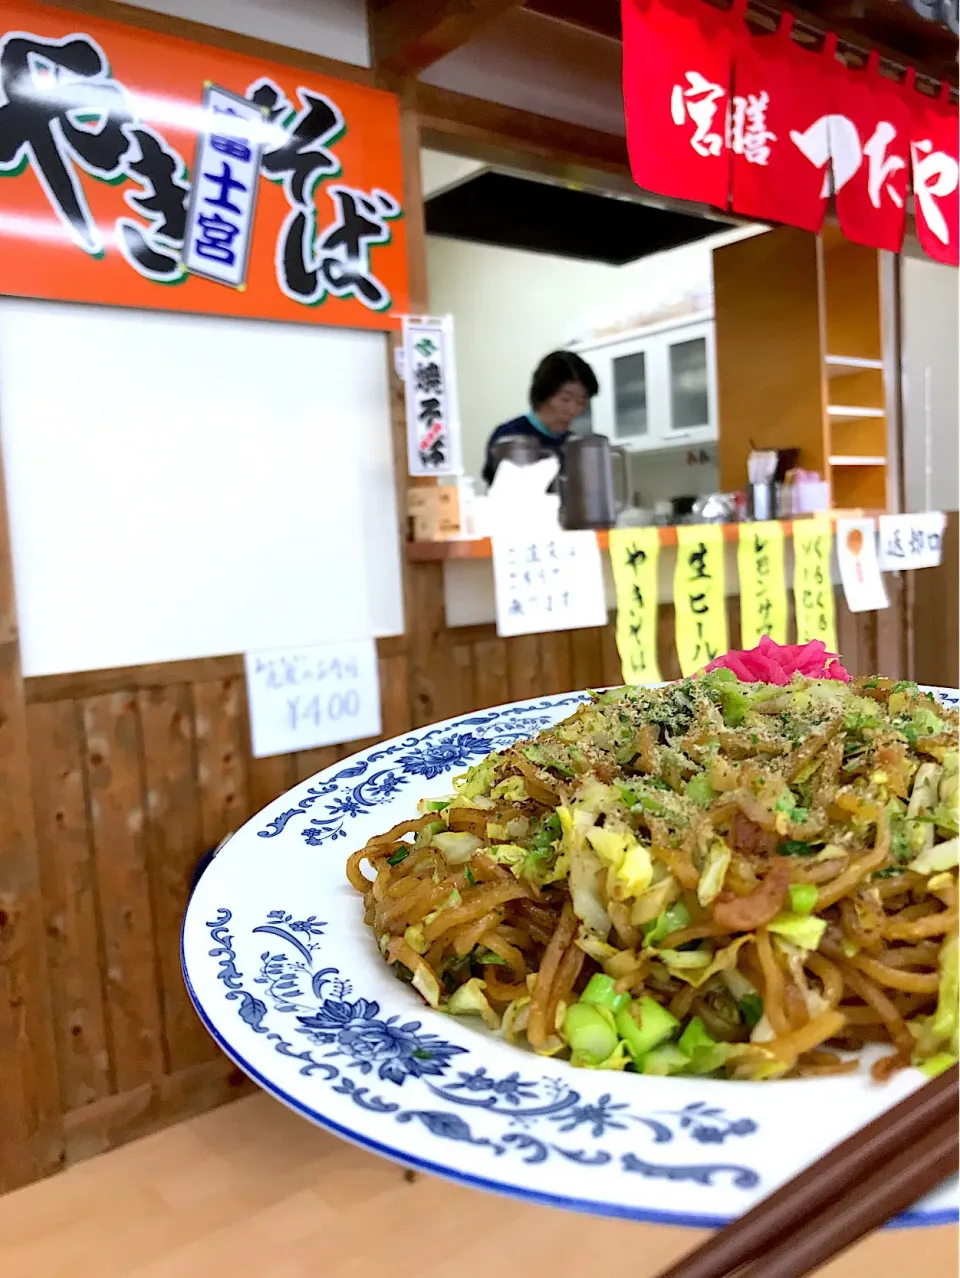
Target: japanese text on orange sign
{"x":634,"y":556}
{"x":143,"y":170}
{"x":812,"y":587}
{"x":763,"y":584}
{"x":699,"y":597}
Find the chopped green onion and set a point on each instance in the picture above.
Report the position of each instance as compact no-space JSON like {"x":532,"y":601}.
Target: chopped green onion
{"x":787,"y":801}
{"x":695,"y":1036}
{"x":437,"y":805}
{"x":673,"y":919}
{"x":796,"y":847}
{"x":750,"y":1008}
{"x":469,"y":875}
{"x":399,"y":856}
{"x":589,"y":1032}
{"x":644,"y":1025}
{"x":803,"y":898}
{"x":699,"y":789}
{"x":601,"y":991}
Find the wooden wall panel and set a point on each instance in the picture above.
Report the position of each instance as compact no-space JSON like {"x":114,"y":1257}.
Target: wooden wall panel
{"x":70,"y":905}
{"x":114,"y":762}
{"x":490,"y":672}
{"x":524,"y":675}
{"x":556,"y":662}
{"x":175,"y":842}
{"x":222,"y":753}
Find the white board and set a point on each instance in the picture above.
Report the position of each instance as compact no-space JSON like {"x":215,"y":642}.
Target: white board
{"x":188,"y":486}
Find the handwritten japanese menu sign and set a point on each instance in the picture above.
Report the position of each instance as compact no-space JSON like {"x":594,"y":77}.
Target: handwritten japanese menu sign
{"x":911,"y":541}
{"x":812,"y":587}
{"x":433,"y":419}
{"x":699,"y":596}
{"x":552,"y":582}
{"x":145,"y":170}
{"x":763,"y":584}
{"x":863,"y":586}
{"x":634,"y":553}
{"x":301,"y":698}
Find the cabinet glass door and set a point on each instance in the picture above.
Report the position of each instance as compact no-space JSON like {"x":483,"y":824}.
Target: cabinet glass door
{"x":630,"y":395}
{"x":689,"y":385}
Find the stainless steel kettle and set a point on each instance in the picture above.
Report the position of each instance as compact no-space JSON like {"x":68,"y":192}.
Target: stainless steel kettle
{"x":590,"y":497}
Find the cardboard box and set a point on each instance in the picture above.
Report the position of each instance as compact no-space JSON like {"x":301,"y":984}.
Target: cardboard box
{"x":433,"y":513}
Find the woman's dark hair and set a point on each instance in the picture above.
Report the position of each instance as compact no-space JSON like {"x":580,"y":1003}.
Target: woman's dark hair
{"x":555,"y":370}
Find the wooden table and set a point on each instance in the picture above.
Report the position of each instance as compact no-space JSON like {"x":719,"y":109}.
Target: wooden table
{"x":253,"y":1191}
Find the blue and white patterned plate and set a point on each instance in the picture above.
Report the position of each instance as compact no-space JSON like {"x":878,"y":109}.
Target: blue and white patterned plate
{"x":290,"y":983}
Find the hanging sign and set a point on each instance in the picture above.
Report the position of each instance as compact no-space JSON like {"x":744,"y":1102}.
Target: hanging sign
{"x":140,"y":169}
{"x":911,"y":541}
{"x":719,"y":115}
{"x":812,"y":585}
{"x":634,"y":557}
{"x":699,"y":596}
{"x":302,"y":698}
{"x":935,"y":176}
{"x":548,"y":582}
{"x":763,"y":584}
{"x":430,"y":391}
{"x":863,"y":586}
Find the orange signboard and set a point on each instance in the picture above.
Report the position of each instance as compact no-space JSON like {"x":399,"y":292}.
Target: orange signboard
{"x":144,"y":170}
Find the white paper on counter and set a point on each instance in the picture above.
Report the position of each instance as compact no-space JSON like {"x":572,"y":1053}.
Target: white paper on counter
{"x":547,"y":581}
{"x":859,"y":568}
{"x":302,"y":698}
{"x":911,"y":541}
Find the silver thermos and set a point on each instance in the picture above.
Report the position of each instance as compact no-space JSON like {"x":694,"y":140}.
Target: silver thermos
{"x":590,"y":497}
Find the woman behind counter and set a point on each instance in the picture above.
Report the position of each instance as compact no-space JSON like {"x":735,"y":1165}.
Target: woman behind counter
{"x":562,"y":387}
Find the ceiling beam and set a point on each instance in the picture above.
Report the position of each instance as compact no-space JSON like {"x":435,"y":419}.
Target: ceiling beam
{"x":407,"y":36}
{"x":486,"y":130}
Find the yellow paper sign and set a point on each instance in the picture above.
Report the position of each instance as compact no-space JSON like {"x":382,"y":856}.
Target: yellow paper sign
{"x":763,"y":584}
{"x":812,"y":587}
{"x":633,"y":557}
{"x":699,"y":597}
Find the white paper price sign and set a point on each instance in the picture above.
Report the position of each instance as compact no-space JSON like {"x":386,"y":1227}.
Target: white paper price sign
{"x":301,"y":698}
{"x":863,"y":585}
{"x":547,"y":582}
{"x":911,"y":541}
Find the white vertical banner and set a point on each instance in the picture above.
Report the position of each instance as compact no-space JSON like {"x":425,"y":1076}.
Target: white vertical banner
{"x":430,"y":385}
{"x":223,"y":198}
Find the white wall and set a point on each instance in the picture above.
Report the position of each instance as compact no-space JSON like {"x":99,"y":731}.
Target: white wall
{"x":330,"y":28}
{"x":930,"y":340}
{"x":511,"y":307}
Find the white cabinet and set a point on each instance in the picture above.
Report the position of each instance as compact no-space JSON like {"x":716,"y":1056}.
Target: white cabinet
{"x":657,"y":386}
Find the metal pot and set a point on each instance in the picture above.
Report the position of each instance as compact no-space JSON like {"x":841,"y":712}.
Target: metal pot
{"x":588,"y":492}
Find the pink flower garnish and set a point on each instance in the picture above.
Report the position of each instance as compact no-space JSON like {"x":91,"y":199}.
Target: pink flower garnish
{"x":770,"y":662}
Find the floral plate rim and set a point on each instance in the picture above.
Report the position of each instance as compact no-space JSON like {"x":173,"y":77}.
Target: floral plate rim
{"x":354,"y":1030}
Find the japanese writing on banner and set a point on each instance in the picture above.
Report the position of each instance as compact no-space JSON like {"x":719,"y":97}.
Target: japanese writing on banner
{"x":634,"y":555}
{"x":699,"y":596}
{"x":143,"y":170}
{"x":911,"y":541}
{"x":812,"y":586}
{"x":860,"y":577}
{"x":430,"y":390}
{"x":720,"y":113}
{"x":763,"y":584}
{"x":301,"y":698}
{"x":548,"y":582}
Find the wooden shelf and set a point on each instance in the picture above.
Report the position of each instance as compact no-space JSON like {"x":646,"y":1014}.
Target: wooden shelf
{"x":851,"y":460}
{"x":845,"y":410}
{"x":841,"y":365}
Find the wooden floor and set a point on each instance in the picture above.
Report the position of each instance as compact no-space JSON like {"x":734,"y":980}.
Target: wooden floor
{"x":252,"y":1191}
